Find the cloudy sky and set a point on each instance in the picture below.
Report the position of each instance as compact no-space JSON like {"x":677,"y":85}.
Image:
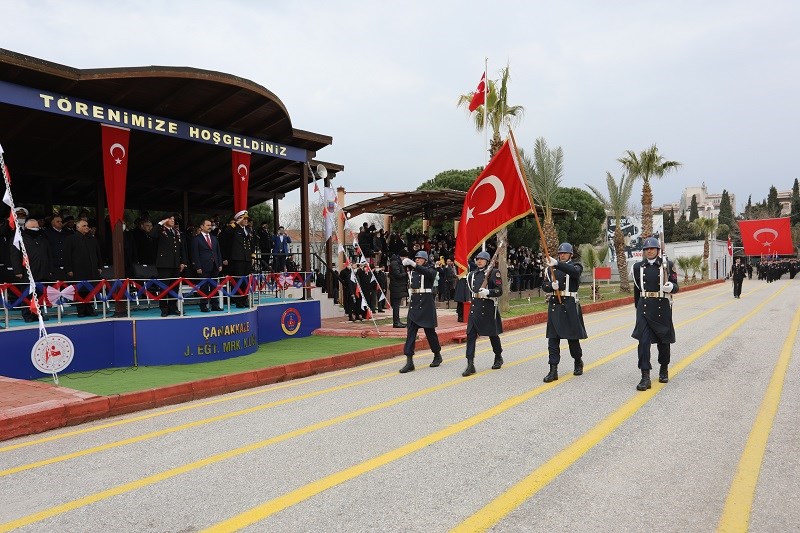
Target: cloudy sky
{"x":715,"y":83}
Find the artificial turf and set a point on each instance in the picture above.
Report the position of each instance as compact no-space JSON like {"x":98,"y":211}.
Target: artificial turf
{"x":119,"y":380}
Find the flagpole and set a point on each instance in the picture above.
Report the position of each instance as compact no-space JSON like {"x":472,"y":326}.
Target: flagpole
{"x":486,"y":109}
{"x":535,"y":214}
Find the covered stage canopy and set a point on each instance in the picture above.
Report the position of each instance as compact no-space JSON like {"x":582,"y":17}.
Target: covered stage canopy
{"x":54,"y":152}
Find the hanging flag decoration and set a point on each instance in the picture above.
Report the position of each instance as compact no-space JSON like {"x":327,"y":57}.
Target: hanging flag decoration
{"x":240,"y":163}
{"x":115,"y":169}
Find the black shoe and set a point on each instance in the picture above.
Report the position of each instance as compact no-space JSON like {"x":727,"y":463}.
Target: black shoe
{"x":645,"y":383}
{"x":409,"y":365}
{"x":498,"y":362}
{"x":578,"y":367}
{"x":470,"y":369}
{"x":164,"y":313}
{"x":29,"y":318}
{"x":437,"y":360}
{"x":398,"y":325}
{"x":217,"y":308}
{"x":552,"y":375}
{"x":663,"y":374}
{"x":175,"y":313}
{"x":204,"y":310}
{"x":45,"y":318}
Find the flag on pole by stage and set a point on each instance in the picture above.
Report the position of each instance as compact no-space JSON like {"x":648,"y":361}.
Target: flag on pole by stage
{"x":329,"y":211}
{"x":767,"y":236}
{"x":479,"y":96}
{"x":498,"y":197}
{"x":115,"y":169}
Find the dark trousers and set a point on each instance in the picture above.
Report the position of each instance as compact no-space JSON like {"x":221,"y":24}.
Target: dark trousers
{"x":279,"y":261}
{"x":396,"y":310}
{"x":554,"y":350}
{"x":207,"y":288}
{"x":460,"y":311}
{"x":84,"y":309}
{"x":644,"y":350}
{"x":472,"y":338}
{"x":242,"y":269}
{"x":411,"y":338}
{"x":737,"y":287}
{"x":167,"y":276}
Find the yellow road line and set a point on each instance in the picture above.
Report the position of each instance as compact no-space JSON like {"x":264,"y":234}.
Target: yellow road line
{"x":504,"y":504}
{"x":305,"y":492}
{"x":294,"y":383}
{"x":739,"y":503}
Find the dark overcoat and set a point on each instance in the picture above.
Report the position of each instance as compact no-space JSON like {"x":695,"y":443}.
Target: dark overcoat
{"x":82,"y":257}
{"x":653,"y":312}
{"x":421,"y":305}
{"x":564,"y":319}
{"x":484,"y":315}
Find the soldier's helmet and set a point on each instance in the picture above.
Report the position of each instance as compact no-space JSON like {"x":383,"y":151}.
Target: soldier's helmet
{"x":484,"y":255}
{"x":650,"y":242}
{"x":422,"y":254}
{"x":565,"y":248}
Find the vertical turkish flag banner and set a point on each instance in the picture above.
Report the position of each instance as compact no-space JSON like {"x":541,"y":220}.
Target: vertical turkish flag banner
{"x":479,"y":97}
{"x":730,"y":246}
{"x":241,"y":179}
{"x":498,"y":197}
{"x":767,"y":236}
{"x":115,"y":169}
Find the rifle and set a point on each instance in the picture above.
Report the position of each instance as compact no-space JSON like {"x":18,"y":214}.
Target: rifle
{"x":491,"y":262}
{"x":665,"y":265}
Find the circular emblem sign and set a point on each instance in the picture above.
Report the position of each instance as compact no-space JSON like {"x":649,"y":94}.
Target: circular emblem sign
{"x":290,"y":321}
{"x":52,"y":353}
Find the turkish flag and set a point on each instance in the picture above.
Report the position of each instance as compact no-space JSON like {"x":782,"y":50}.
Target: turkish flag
{"x":241,"y":179}
{"x":479,"y":97}
{"x":498,"y":197}
{"x":115,"y":169}
{"x":768,"y":236}
{"x":730,"y":246}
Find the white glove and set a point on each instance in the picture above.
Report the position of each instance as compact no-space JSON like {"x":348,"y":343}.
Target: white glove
{"x":554,"y":285}
{"x":552,"y":261}
{"x":409,"y":262}
{"x":484,"y":293}
{"x":667,"y":287}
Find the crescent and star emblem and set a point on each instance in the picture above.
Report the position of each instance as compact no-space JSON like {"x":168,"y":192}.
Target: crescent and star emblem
{"x":117,"y":160}
{"x":765,"y":230}
{"x":239,"y":169}
{"x":499,"y":195}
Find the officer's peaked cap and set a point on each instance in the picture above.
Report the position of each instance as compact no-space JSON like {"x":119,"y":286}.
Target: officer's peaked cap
{"x":650,"y":242}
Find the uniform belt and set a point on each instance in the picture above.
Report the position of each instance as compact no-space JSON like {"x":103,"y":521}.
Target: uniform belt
{"x":567,"y":293}
{"x":419,"y":291}
{"x":653,"y":294}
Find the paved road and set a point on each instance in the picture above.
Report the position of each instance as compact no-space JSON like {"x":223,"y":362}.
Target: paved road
{"x":368,"y":449}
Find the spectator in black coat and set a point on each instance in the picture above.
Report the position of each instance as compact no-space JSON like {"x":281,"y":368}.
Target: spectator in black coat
{"x":39,"y":260}
{"x":398,"y":285}
{"x":82,"y":261}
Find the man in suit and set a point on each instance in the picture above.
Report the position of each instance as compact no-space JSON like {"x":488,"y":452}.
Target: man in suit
{"x":207,"y":261}
{"x":82,"y":261}
{"x":280,"y":248}
{"x":243,"y":247}
{"x":170,"y":260}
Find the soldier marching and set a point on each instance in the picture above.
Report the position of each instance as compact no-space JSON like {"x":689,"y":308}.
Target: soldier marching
{"x":485,"y":285}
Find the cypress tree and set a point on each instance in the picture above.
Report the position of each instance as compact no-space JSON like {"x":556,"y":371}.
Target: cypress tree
{"x":725,"y":210}
{"x":693,"y":213}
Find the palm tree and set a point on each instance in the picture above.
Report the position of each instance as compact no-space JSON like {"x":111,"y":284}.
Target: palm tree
{"x":619,"y":194}
{"x":494,"y":113}
{"x":707,"y":227}
{"x":684,"y":263}
{"x":544,"y":173}
{"x":591,"y":257}
{"x":695,"y":264}
{"x":648,"y":164}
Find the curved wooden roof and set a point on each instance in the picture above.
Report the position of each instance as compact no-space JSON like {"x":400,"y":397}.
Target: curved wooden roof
{"x":49,"y":152}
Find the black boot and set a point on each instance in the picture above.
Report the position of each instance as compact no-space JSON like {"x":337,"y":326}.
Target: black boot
{"x":498,"y":362}
{"x":470,"y":368}
{"x":663,"y":374}
{"x":409,"y":364}
{"x":553,"y":375}
{"x":437,"y":360}
{"x":645,"y":383}
{"x":578,"y":367}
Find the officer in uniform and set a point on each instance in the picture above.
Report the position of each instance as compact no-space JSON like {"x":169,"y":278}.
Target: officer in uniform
{"x":170,"y":260}
{"x":564,"y":316}
{"x":485,"y":286}
{"x":242,"y":248}
{"x":421,"y":309}
{"x":738,"y":272}
{"x":653,"y":282}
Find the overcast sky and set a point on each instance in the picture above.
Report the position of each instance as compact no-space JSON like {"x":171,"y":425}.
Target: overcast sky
{"x":714,"y":83}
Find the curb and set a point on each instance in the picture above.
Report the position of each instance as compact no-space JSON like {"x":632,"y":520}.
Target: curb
{"x":54,"y":414}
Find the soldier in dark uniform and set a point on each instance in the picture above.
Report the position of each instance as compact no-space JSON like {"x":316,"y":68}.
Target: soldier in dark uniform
{"x":485,"y":284}
{"x":653,"y":282}
{"x":398,"y":285}
{"x":170,"y":260}
{"x":242,"y":248}
{"x":421,"y":310}
{"x":738,"y":272}
{"x":564,"y":316}
{"x":347,"y":291}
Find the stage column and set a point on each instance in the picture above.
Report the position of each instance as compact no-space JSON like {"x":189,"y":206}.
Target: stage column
{"x":305,"y":233}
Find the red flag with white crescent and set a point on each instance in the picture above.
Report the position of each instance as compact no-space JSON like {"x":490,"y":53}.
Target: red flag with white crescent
{"x":115,"y":169}
{"x":498,"y":197}
{"x":479,"y":96}
{"x":241,"y":179}
{"x":767,"y":236}
{"x":730,"y":246}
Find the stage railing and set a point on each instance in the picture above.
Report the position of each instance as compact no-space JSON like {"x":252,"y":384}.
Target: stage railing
{"x":105,"y":294}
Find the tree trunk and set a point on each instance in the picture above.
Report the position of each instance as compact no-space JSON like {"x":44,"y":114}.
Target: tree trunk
{"x":622,"y":262}
{"x":551,"y":237}
{"x":502,"y":265}
{"x":647,"y":210}
{"x":705,"y":272}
